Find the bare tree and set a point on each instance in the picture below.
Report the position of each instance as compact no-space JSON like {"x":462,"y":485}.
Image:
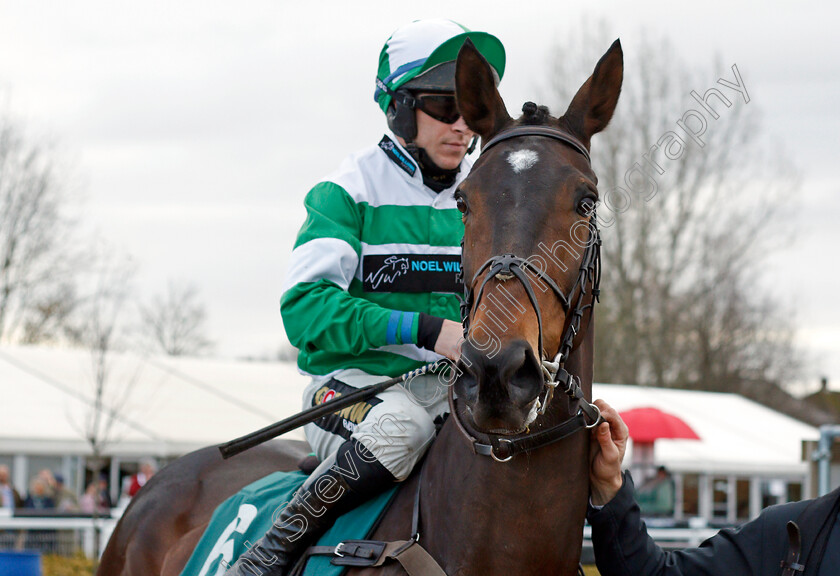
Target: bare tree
{"x":38,"y":259}
{"x":105,"y":331}
{"x":174,"y":323}
{"x":687,"y":223}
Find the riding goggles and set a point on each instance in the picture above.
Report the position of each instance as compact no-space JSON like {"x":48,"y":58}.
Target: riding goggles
{"x":441,"y":107}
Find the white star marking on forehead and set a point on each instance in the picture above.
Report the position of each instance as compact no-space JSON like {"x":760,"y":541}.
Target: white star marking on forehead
{"x":522,"y":159}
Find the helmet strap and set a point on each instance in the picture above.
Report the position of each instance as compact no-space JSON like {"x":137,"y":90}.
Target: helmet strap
{"x":434,"y":177}
{"x":401,"y":120}
{"x":472,"y":145}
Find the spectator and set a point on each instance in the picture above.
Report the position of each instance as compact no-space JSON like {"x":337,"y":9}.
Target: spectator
{"x":9,"y":497}
{"x":104,"y":497}
{"x":65,"y":500}
{"x":47,"y":477}
{"x":89,"y":500}
{"x":148,"y":468}
{"x":39,"y":497}
{"x":656,"y":496}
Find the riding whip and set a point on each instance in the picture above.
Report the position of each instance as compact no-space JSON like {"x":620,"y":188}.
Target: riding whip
{"x":243,"y":443}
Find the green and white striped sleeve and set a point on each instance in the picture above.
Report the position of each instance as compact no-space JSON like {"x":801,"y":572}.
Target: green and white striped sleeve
{"x":318,"y":312}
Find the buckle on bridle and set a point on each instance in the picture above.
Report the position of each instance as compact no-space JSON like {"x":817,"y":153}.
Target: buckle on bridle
{"x":338,"y":548}
{"x":569,"y":381}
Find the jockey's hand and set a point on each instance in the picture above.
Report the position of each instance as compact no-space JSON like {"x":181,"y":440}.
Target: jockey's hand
{"x":449,"y":340}
{"x":609,"y":442}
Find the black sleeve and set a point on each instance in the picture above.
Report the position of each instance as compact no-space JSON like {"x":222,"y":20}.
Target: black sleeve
{"x":623,"y":547}
{"x":428,"y":330}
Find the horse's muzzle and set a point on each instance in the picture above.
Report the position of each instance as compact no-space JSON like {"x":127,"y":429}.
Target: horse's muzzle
{"x":500,"y":389}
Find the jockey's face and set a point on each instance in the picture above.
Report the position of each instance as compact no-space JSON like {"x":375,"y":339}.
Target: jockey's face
{"x":446,"y":144}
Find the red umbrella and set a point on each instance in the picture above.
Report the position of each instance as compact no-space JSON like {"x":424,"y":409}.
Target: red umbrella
{"x":648,"y":424}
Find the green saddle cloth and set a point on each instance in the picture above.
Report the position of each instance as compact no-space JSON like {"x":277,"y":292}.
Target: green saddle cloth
{"x":247,"y":515}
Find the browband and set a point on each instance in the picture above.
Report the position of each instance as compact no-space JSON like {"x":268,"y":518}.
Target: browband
{"x":539,"y":131}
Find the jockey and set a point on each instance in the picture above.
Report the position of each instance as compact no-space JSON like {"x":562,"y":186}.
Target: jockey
{"x":371,"y":288}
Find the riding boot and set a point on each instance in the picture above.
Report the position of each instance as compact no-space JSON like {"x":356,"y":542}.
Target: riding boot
{"x":340,"y":483}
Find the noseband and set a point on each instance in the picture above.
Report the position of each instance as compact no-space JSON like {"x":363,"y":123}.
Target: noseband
{"x":509,"y":266}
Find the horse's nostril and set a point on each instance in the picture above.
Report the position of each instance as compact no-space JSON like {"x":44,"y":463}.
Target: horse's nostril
{"x":469,"y":384}
{"x":512,"y":375}
{"x":525,"y":382}
{"x":466,"y":384}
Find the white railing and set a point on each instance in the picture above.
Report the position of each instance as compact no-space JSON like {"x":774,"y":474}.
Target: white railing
{"x":86,"y":527}
{"x":665,"y":537}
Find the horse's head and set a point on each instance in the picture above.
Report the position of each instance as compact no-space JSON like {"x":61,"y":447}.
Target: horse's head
{"x":528,"y":210}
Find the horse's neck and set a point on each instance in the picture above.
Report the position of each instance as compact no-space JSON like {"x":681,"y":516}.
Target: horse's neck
{"x":523,"y":516}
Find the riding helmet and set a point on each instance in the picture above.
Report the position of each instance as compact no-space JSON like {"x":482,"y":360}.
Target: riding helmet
{"x":420,"y":56}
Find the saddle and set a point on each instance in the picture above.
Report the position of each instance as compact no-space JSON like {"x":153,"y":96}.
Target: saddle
{"x":243,"y":518}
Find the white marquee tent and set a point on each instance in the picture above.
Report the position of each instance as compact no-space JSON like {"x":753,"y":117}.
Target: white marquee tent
{"x":164,"y":406}
{"x":736,"y":435}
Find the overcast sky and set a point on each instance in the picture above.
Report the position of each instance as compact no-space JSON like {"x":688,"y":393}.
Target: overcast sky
{"x":196,"y":128}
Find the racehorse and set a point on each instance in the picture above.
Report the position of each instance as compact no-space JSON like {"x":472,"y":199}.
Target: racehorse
{"x":503,"y":489}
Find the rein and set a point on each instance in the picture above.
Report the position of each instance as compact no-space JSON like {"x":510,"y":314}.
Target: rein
{"x":509,"y":266}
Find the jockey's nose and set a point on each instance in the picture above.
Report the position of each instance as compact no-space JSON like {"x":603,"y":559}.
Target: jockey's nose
{"x":499,"y":388}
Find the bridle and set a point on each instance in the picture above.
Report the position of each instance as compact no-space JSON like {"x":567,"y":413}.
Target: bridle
{"x":510,"y":266}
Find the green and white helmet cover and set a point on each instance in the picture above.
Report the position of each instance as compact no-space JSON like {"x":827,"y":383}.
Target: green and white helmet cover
{"x":422,"y":45}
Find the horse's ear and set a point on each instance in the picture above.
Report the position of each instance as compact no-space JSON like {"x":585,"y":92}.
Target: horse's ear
{"x":594,"y":104}
{"x":478,"y":99}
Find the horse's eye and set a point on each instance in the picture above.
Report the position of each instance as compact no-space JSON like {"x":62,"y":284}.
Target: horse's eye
{"x":586,"y":207}
{"x":461,"y":204}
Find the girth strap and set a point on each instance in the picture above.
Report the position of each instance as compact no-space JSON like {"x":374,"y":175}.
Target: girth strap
{"x":413,"y":558}
{"x":416,"y":561}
